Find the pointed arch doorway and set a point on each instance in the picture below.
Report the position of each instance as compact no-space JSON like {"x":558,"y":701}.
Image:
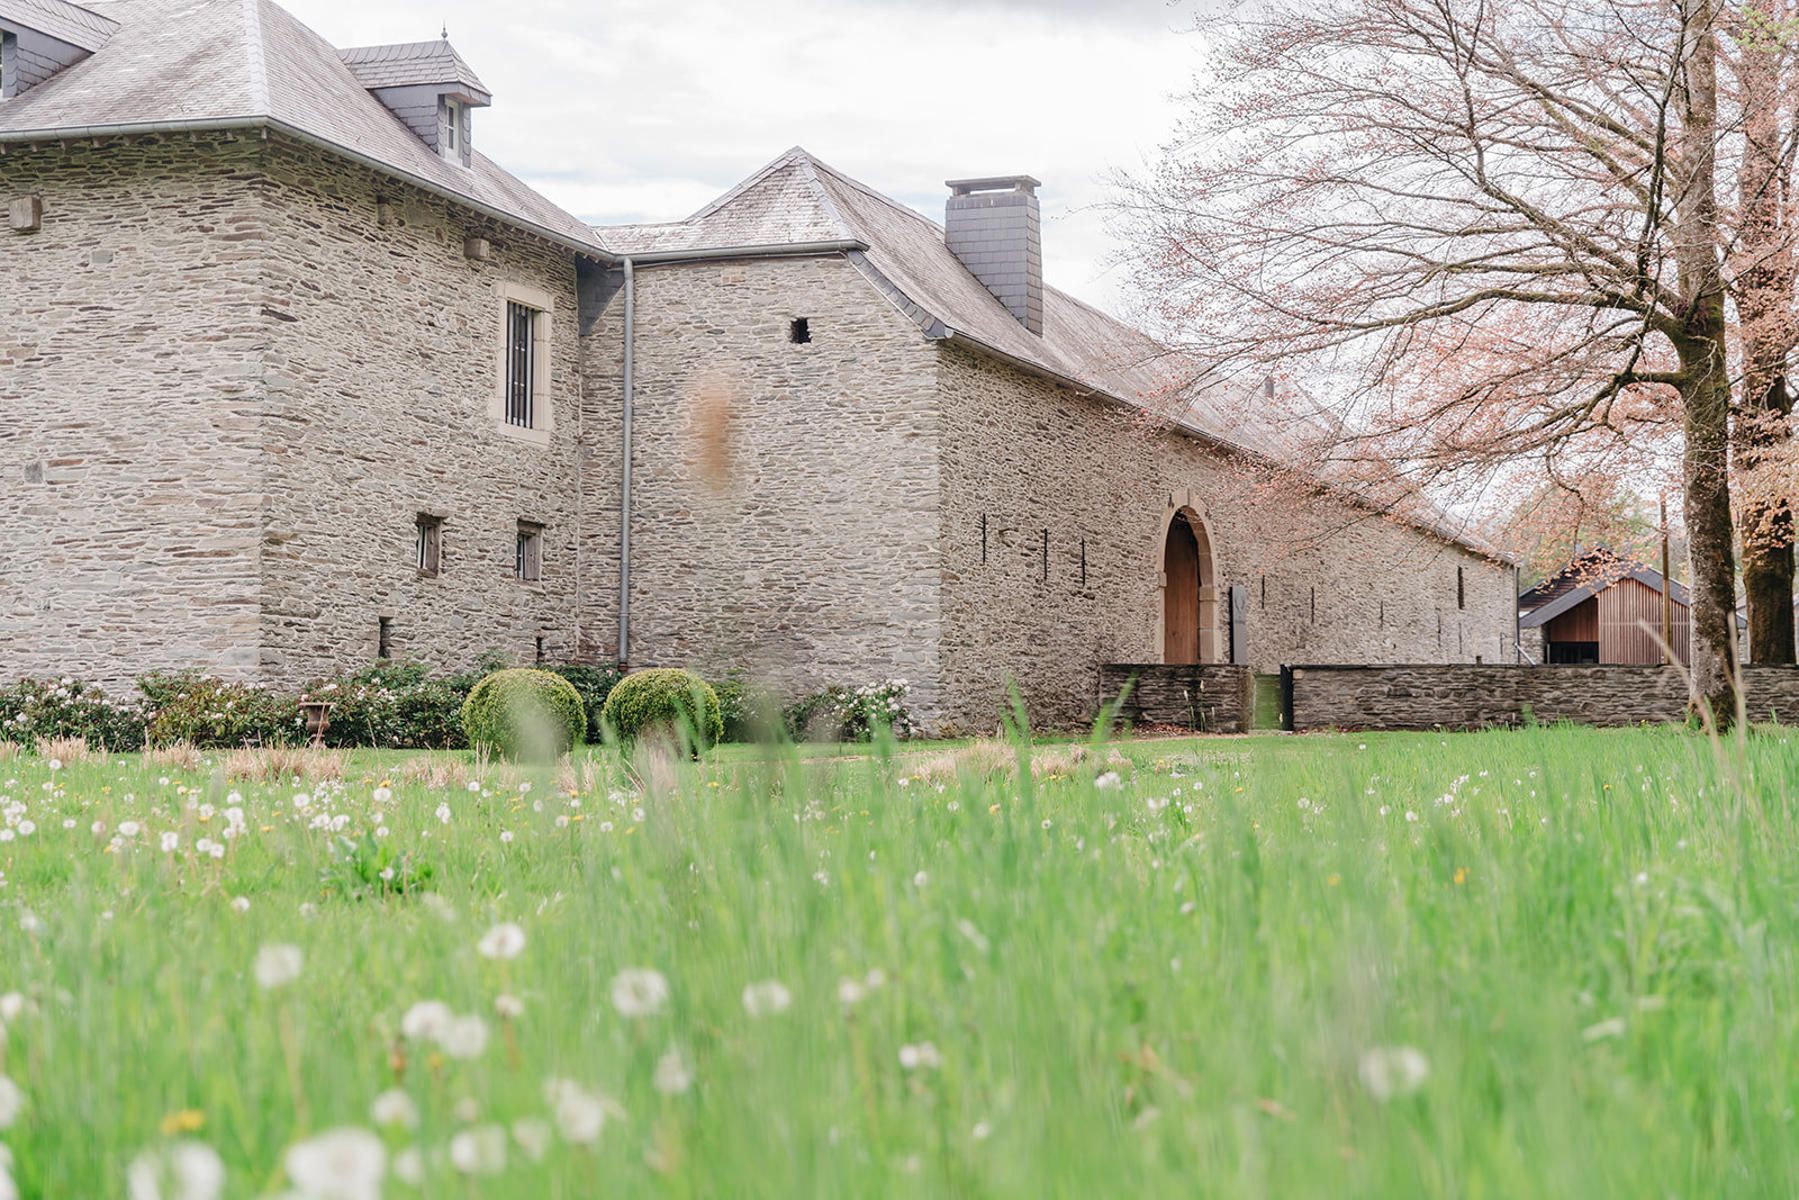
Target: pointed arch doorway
{"x":1189,"y":592}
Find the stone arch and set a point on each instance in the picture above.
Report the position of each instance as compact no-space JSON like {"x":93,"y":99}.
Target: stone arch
{"x":1191,"y":629}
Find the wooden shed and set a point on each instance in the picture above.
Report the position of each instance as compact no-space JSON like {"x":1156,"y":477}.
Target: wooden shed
{"x":1605,"y":608}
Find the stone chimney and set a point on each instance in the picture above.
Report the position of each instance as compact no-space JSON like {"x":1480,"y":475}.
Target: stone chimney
{"x":996,"y":228}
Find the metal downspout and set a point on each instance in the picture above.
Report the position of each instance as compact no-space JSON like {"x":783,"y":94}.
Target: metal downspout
{"x":624,"y":507}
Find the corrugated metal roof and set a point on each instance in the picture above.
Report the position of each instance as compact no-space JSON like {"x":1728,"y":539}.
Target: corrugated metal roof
{"x":412,"y":64}
{"x":212,"y":63}
{"x":71,"y":23}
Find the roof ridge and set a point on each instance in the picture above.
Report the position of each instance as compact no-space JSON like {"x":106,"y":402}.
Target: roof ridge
{"x":809,"y":169}
{"x":875,"y":194}
{"x":757,"y":176}
{"x":256,"y":57}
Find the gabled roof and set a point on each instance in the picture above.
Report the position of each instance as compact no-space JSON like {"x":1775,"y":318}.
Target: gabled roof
{"x":71,"y":23}
{"x":796,"y":199}
{"x":413,"y":64}
{"x":178,"y":65}
{"x":1585,"y":576}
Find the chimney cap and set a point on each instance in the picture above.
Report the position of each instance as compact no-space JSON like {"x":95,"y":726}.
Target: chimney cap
{"x":993,"y":183}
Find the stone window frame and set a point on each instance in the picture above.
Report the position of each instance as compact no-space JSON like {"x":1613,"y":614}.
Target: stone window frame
{"x":528,"y":552}
{"x":428,"y":545}
{"x":543,"y":410}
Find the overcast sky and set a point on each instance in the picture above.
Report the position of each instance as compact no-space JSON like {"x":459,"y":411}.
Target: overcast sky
{"x":643,"y":110}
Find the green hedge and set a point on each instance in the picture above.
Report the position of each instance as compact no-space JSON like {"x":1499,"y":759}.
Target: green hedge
{"x":524,"y":713}
{"x":664,"y":700}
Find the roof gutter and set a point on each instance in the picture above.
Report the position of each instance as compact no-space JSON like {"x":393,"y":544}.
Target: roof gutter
{"x":592,"y":250}
{"x":659,"y":258}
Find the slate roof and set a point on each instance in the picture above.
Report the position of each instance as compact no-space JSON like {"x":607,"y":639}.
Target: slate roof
{"x":58,"y":19}
{"x":411,"y":64}
{"x":219,"y":64}
{"x":799,"y":199}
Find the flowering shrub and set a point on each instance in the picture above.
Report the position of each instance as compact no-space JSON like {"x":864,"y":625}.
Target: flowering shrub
{"x":394,"y":706}
{"x":853,"y":714}
{"x":523,"y":713}
{"x":38,"y":709}
{"x":209,"y":713}
{"x":665,"y":700}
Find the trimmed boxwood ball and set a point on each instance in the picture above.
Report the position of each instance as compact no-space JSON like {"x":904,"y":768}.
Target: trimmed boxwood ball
{"x":523,"y":713}
{"x":664,"y":700}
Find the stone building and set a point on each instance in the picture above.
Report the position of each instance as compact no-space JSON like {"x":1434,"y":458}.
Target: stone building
{"x":292,"y":376}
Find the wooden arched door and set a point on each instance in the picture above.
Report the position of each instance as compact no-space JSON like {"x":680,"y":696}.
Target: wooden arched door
{"x":1180,"y":596}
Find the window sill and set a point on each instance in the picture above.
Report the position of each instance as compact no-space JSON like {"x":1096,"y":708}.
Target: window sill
{"x":427,"y":574}
{"x":532,"y":435}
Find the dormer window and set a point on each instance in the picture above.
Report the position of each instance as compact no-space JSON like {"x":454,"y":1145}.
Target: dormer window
{"x":450,"y":146}
{"x":427,"y":86}
{"x":39,"y":39}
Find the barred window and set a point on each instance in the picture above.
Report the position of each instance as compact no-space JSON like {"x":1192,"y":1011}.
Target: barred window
{"x":521,"y":364}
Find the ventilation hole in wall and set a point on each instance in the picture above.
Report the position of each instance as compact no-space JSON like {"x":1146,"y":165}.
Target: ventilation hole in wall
{"x":1046,"y":556}
{"x":1314,"y":605}
{"x":1264,"y":591}
{"x":1083,"y":562}
{"x":384,"y":638}
{"x":1461,"y":589}
{"x":983,"y":539}
{"x":540,"y":650}
{"x":800,"y":330}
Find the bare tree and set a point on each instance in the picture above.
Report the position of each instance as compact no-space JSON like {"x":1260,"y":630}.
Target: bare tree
{"x":1492,"y":229}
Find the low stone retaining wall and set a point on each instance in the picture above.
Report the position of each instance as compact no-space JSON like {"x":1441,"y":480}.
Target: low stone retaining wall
{"x":1212,"y":699}
{"x":1470,"y":696}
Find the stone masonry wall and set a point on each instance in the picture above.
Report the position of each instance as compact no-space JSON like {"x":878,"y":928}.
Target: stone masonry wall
{"x":1469,"y":697}
{"x":1325,"y":583}
{"x":1211,"y":699}
{"x":130,"y":393}
{"x":785,"y":494}
{"x":383,"y":366}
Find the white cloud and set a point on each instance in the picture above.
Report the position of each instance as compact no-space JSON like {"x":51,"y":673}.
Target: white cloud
{"x":643,"y":110}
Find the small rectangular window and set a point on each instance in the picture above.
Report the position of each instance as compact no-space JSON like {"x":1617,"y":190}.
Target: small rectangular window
{"x":452,"y":138}
{"x":428,"y":544}
{"x":528,"y":559}
{"x":521,"y":364}
{"x":1461,"y":589}
{"x":800,"y":330}
{"x":384,"y":638}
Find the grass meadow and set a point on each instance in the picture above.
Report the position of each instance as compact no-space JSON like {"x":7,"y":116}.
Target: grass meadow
{"x":1549,"y":962}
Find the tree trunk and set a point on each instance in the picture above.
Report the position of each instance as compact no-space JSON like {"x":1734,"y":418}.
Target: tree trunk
{"x":1768,"y":584}
{"x":1767,"y":527}
{"x":1766,"y":333}
{"x":1706,"y":396}
{"x":1705,"y":387}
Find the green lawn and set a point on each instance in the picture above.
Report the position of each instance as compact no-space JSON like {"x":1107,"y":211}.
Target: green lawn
{"x":1537,"y":963}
